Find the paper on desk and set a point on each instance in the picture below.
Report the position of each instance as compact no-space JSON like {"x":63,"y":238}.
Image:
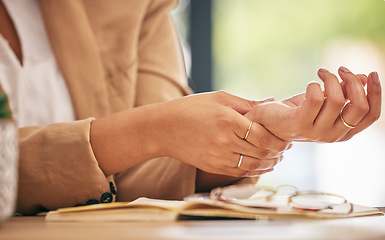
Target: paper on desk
{"x":145,"y":209}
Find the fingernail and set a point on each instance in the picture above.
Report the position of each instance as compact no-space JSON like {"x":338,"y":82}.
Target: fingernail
{"x":344,"y":69}
{"x":280,"y":158}
{"x":323,"y":70}
{"x":375,"y":77}
{"x":269,"y":99}
{"x":290,"y":146}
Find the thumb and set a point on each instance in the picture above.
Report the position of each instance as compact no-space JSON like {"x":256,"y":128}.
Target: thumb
{"x":244,"y":106}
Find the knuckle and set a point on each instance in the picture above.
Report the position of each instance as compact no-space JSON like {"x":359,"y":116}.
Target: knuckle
{"x":316,"y":100}
{"x":363,"y":108}
{"x":252,"y":104}
{"x":221,"y":141}
{"x":264,"y":142}
{"x":221,"y":94}
{"x":337,"y":102}
{"x":224,"y":121}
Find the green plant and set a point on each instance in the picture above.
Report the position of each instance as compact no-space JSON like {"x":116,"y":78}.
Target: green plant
{"x":5,"y":112}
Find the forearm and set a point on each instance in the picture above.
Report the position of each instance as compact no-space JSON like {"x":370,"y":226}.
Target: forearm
{"x":125,"y":139}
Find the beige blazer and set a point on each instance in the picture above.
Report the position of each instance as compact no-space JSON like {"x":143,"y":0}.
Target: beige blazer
{"x":114,"y":55}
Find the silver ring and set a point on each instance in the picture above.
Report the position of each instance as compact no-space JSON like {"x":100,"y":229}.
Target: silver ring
{"x":240,"y":160}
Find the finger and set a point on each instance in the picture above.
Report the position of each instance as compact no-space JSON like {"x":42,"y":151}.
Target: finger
{"x":235,"y":172}
{"x":374,"y":100}
{"x":212,"y":167}
{"x":252,"y":164}
{"x":358,"y":106}
{"x":249,"y":149}
{"x":362,"y":77}
{"x":333,"y":102}
{"x":261,"y":138}
{"x":296,"y":100}
{"x":260,"y":143}
{"x":239,"y":104}
{"x":257,"y":173}
{"x":309,"y":109}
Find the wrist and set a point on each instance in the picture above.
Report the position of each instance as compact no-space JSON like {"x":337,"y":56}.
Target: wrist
{"x":125,"y":139}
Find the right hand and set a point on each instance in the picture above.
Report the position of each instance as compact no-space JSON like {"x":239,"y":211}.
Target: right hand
{"x":207,"y":131}
{"x":316,"y":115}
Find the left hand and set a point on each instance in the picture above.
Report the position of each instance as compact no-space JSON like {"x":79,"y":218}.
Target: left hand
{"x":315,"y":115}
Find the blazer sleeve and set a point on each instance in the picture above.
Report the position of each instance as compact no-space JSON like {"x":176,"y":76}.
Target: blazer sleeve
{"x":161,"y":77}
{"x":161,"y":71}
{"x":53,"y":163}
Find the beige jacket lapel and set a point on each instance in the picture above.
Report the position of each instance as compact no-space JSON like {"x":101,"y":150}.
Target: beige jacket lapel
{"x":73,"y":44}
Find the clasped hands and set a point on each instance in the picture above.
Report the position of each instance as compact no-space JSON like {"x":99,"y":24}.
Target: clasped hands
{"x":212,"y":131}
{"x":210,"y":128}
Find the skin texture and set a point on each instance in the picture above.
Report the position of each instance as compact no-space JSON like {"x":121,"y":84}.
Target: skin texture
{"x":315,"y":115}
{"x":8,"y":31}
{"x":204,"y":130}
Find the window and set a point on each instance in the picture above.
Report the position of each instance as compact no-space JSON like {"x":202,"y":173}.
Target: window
{"x":263,"y":48}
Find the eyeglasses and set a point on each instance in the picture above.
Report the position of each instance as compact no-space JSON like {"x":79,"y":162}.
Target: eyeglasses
{"x":282,"y":196}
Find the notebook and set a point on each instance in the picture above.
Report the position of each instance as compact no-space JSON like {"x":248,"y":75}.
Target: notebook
{"x":146,"y":209}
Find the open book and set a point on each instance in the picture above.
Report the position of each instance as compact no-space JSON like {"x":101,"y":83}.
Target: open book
{"x":145,"y":209}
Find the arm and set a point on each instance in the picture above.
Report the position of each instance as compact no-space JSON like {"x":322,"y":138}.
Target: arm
{"x":161,"y":78}
{"x":315,"y":115}
{"x":176,"y":129}
{"x":53,"y":161}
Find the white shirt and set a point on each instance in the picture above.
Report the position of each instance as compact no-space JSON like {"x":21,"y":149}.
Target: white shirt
{"x":37,"y":91}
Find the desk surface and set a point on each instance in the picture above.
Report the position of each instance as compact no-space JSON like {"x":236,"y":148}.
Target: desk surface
{"x":36,"y":228}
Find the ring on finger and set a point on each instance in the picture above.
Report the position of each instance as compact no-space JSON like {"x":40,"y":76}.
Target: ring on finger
{"x":240,"y":160}
{"x":345,"y":123}
{"x":248,"y":130}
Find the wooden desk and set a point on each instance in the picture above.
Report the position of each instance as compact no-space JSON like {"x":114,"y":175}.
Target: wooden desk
{"x":36,"y":228}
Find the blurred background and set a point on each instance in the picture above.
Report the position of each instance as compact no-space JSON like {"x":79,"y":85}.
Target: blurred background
{"x":262,"y":48}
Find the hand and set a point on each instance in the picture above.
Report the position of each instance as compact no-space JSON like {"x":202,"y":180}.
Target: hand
{"x":203,"y":130}
{"x":207,"y":131}
{"x":315,"y":115}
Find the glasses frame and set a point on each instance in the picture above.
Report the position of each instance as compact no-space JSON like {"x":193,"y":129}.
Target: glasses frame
{"x":217,"y":194}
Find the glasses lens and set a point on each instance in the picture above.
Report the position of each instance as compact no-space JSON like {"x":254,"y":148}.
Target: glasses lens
{"x":316,"y":201}
{"x":239,"y":192}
